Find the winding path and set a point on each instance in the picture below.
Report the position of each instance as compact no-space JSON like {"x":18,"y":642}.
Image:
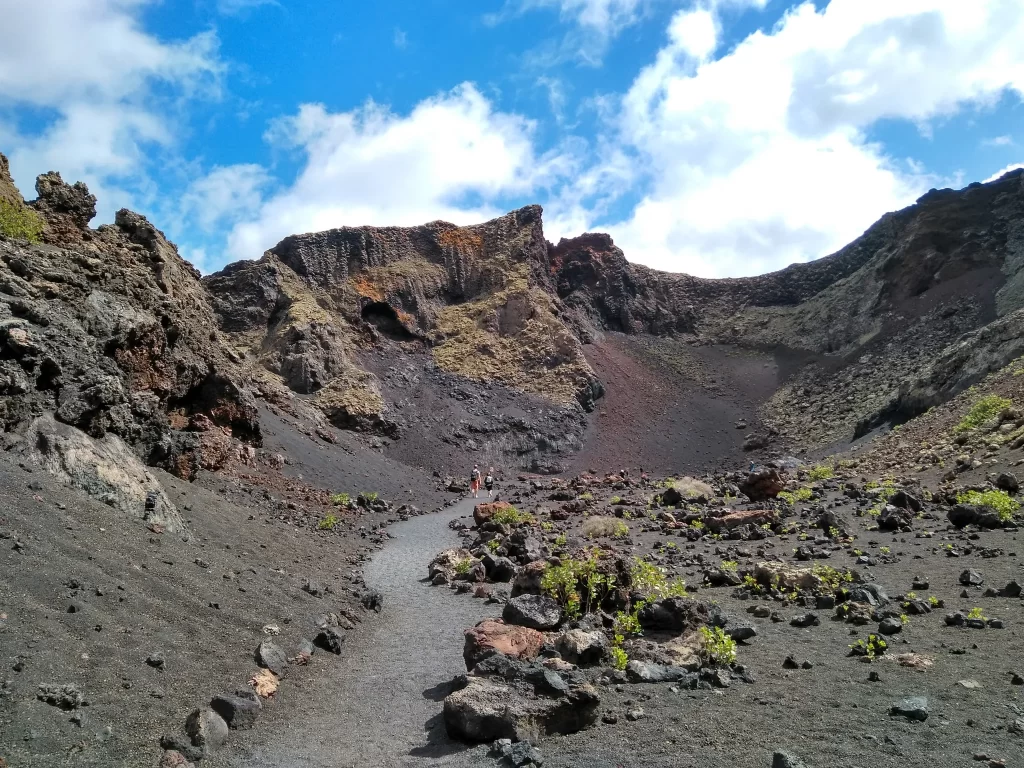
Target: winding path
{"x":380,"y":703}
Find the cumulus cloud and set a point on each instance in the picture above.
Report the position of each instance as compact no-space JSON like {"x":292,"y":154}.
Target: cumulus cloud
{"x":1004,"y":171}
{"x":92,"y":66}
{"x":453,"y":157}
{"x":225,"y":195}
{"x":760,"y":158}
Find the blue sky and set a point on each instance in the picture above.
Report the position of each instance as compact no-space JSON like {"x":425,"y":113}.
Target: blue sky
{"x":716,"y":137}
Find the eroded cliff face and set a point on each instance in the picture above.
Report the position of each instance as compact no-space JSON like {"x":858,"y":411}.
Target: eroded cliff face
{"x":112,"y":331}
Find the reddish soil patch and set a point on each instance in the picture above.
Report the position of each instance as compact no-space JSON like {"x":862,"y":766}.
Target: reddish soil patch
{"x":670,"y":407}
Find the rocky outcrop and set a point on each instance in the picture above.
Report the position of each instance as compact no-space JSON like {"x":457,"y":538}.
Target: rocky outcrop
{"x":113,"y":332}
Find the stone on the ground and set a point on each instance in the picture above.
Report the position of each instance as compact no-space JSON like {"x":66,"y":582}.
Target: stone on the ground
{"x":912,"y":708}
{"x":67,"y":697}
{"x":330,"y":639}
{"x":270,"y":656}
{"x":533,"y":611}
{"x":971,"y":578}
{"x":890,"y":626}
{"x":741,"y":632}
{"x":482,"y":513}
{"x":1007,"y":481}
{"x":490,"y":635}
{"x":805,"y":620}
{"x":786,"y":760}
{"x":764,"y":483}
{"x":648,"y":672}
{"x":488,"y":709}
{"x":239,"y":709}
{"x":527,"y":581}
{"x":582,"y":647}
{"x":207,"y":730}
{"x":895,"y":518}
{"x":499,"y":568}
{"x":172,"y":758}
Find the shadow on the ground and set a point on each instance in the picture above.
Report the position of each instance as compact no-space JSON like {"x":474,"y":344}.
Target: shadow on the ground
{"x":440,"y":691}
{"x":438,"y":743}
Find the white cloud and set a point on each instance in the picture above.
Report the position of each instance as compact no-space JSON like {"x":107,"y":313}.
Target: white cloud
{"x":1004,"y":171}
{"x":453,"y":157}
{"x":92,"y":65}
{"x":400,"y":39}
{"x":695,"y":33}
{"x":998,"y":141}
{"x":759,"y":158}
{"x":225,"y":195}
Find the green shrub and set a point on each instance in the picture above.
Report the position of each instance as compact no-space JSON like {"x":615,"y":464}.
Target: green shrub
{"x":820,"y":472}
{"x":20,"y":221}
{"x":512,"y":516}
{"x":328,"y":523}
{"x":370,"y":496}
{"x":875,"y":646}
{"x":716,"y":646}
{"x":619,"y":658}
{"x":650,"y":581}
{"x":730,"y":565}
{"x":800,"y":494}
{"x":999,"y":502}
{"x":987,"y":408}
{"x":560,"y":540}
{"x":493,"y":544}
{"x":341,"y":499}
{"x":975,"y":613}
{"x":464,"y":566}
{"x":830,"y":577}
{"x":577,"y":585}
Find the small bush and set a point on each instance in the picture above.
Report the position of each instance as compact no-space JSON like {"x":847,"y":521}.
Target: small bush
{"x":493,"y":544}
{"x":328,"y":523}
{"x":975,"y":613}
{"x":19,"y":221}
{"x":341,"y":499}
{"x":792,"y":497}
{"x":464,"y":566}
{"x":597,"y":526}
{"x":730,"y":565}
{"x":560,"y":540}
{"x":875,"y":646}
{"x":999,"y":502}
{"x":650,"y":581}
{"x":512,"y":516}
{"x":987,"y":408}
{"x":619,"y":658}
{"x":820,"y":472}
{"x":370,"y":496}
{"x":716,"y":646}
{"x":577,"y":585}
{"x":830,"y":577}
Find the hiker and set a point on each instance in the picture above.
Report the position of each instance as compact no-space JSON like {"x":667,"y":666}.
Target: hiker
{"x":752,"y":465}
{"x":474,"y":481}
{"x":489,"y":482}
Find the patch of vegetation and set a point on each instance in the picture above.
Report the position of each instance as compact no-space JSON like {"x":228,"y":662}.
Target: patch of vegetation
{"x":598,"y":526}
{"x":831,"y":577}
{"x":975,"y":613}
{"x":464,"y":566}
{"x":730,"y":565}
{"x":820,"y":472}
{"x":716,"y":646}
{"x":341,"y":499}
{"x":698,"y":525}
{"x":20,"y":221}
{"x":577,"y":585}
{"x":984,"y":409}
{"x":370,"y":496}
{"x":619,"y":657}
{"x":873,"y":647}
{"x":884,"y":550}
{"x":328,"y":522}
{"x":560,"y":540}
{"x":651,"y":582}
{"x":493,"y":544}
{"x":999,"y":502}
{"x":691,"y":488}
{"x":615,"y":500}
{"x":800,"y":494}
{"x":933,"y":601}
{"x":587,"y":496}
{"x":512,"y":516}
{"x":547,"y":526}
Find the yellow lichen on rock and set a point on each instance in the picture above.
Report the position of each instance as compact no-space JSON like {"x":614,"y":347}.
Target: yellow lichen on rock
{"x":514,"y":337}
